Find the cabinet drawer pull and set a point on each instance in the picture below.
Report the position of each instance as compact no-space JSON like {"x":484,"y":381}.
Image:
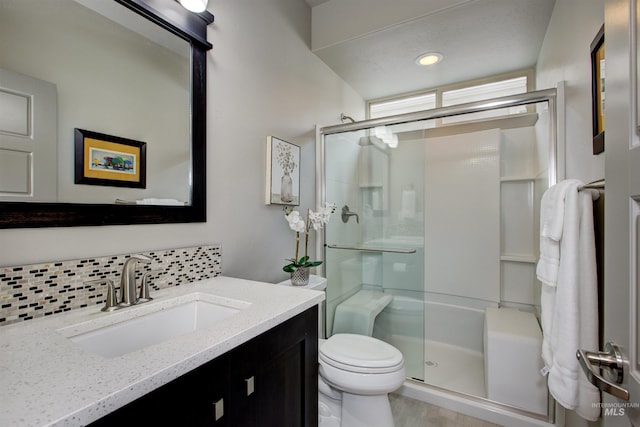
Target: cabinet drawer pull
{"x":250,"y":386}
{"x":218,"y":409}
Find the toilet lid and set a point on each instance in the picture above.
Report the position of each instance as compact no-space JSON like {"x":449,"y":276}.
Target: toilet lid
{"x":360,"y":353}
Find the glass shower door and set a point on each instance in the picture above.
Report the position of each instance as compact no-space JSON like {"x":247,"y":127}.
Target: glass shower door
{"x":374,"y":246}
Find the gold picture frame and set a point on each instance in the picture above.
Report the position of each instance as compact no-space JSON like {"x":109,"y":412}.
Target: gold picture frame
{"x":108,"y":160}
{"x":598,"y":90}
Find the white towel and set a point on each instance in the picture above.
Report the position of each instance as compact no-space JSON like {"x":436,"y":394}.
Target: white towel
{"x":551,"y":223}
{"x":567,"y":269}
{"x":162,"y":202}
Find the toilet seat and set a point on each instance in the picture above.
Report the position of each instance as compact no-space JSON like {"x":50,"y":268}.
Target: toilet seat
{"x":360,"y":354}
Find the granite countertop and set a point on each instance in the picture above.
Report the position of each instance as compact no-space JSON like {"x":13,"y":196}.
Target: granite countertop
{"x":47,"y":380}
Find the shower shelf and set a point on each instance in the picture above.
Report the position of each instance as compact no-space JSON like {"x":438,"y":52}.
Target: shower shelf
{"x":523,"y":178}
{"x":531,"y":259}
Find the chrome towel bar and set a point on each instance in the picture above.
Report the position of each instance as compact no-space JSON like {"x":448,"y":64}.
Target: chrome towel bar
{"x":595,"y":185}
{"x":371,"y":249}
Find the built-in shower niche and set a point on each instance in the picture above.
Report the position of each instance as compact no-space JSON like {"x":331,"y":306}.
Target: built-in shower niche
{"x":373,"y":176}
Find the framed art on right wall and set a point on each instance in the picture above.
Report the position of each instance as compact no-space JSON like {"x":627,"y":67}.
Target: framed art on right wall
{"x":598,"y":90}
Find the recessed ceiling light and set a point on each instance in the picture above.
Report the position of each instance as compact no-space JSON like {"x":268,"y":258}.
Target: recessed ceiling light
{"x":429,"y":58}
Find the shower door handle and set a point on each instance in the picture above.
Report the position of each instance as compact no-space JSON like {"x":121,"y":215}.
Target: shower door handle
{"x":610,"y":359}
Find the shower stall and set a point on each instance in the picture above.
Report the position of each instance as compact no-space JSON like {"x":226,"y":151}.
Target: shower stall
{"x":434,"y":244}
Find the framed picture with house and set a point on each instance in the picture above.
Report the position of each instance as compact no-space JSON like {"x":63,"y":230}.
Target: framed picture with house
{"x":108,"y":160}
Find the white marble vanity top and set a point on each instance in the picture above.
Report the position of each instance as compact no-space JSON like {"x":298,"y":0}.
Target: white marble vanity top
{"x":47,"y":380}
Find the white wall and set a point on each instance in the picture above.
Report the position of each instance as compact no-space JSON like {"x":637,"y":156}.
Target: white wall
{"x":262,"y":80}
{"x":566,"y":56}
{"x":463,"y":231}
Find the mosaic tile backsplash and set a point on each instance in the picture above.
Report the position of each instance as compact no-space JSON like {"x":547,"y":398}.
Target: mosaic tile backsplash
{"x":31,"y":291}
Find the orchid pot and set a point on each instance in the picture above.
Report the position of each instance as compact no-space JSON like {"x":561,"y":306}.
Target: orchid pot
{"x":299,"y":267}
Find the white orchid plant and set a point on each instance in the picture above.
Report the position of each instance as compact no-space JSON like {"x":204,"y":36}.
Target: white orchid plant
{"x":315,"y":220}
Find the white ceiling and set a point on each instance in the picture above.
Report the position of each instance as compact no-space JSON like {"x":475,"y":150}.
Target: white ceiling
{"x":373,"y":44}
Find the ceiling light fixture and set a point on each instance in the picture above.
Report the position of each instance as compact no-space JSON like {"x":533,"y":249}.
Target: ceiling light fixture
{"x":430,"y":58}
{"x":196,"y":6}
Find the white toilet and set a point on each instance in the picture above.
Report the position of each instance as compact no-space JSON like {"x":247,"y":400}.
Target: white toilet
{"x":356,"y":372}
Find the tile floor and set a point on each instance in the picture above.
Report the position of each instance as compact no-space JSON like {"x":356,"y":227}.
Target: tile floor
{"x":414,"y":413}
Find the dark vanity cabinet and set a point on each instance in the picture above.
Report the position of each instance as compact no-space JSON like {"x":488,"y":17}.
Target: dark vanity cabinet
{"x":271,"y":380}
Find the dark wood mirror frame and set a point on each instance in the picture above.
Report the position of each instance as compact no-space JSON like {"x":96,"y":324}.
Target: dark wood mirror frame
{"x":193,"y":28}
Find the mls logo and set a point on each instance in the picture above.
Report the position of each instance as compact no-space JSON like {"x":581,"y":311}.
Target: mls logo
{"x":614,"y":412}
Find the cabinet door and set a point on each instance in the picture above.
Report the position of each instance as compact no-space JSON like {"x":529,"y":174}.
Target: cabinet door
{"x":188,"y":400}
{"x":281,"y":401}
{"x":202,"y":399}
{"x":197,"y":398}
{"x":274,"y":378}
{"x":288,"y":374}
{"x":244,"y":364}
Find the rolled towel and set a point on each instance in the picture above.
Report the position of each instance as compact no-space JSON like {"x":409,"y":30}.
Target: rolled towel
{"x":163,"y":202}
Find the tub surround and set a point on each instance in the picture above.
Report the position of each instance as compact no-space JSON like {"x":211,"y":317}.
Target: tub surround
{"x":49,"y":380}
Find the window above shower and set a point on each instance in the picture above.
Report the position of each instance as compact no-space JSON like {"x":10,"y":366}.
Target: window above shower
{"x":462,"y":93}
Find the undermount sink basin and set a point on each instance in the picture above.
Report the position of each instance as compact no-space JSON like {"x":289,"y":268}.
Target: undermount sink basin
{"x":168,"y":320}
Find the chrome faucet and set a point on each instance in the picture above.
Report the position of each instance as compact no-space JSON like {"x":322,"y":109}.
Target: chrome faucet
{"x":128,"y":279}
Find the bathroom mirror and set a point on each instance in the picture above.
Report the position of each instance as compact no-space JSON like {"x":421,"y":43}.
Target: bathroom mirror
{"x":182,"y":35}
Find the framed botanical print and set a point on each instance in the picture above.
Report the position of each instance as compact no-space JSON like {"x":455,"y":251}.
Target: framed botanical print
{"x":283,"y":173}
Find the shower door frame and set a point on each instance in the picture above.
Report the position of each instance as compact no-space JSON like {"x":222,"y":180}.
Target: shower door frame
{"x":550,"y":96}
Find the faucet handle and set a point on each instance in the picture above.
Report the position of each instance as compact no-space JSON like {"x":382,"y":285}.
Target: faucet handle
{"x":110,"y":302}
{"x":144,"y":286}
